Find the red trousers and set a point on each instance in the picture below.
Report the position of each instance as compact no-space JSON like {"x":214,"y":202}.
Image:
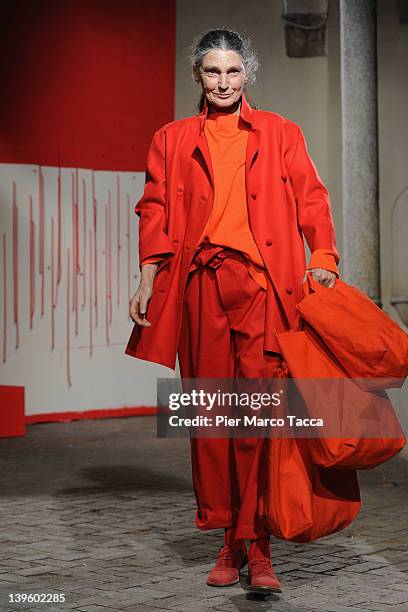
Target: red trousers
{"x":222,"y":337}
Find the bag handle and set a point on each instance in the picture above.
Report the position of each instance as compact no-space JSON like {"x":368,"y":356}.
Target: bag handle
{"x":311,"y":285}
{"x":307,"y":287}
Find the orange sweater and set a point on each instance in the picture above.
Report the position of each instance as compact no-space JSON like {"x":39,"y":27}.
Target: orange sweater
{"x":228,"y":224}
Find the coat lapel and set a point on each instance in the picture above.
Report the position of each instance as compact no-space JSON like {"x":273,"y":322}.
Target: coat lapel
{"x":202,"y":152}
{"x":252,"y":148}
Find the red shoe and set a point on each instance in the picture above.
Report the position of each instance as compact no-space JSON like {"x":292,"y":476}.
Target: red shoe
{"x":226,"y":569}
{"x":261,"y":576}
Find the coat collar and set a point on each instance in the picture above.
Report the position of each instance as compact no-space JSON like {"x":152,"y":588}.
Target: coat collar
{"x":245,"y":113}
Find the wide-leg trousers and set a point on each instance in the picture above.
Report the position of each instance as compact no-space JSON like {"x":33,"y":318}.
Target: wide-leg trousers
{"x":222,"y":336}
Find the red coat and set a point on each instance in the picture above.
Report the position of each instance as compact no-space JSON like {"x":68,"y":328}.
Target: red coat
{"x":286,"y":199}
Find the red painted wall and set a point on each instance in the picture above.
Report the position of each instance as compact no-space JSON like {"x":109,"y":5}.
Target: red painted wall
{"x":85,"y":82}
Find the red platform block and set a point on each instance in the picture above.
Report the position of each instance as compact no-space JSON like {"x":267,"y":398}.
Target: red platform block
{"x":12,"y":417}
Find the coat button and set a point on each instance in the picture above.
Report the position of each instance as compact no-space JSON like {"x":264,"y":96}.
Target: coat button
{"x":269,"y":242}
{"x":204,"y":198}
{"x":284,"y":178}
{"x":253,"y":196}
{"x":176,"y":240}
{"x":187,"y":248}
{"x":289,"y":291}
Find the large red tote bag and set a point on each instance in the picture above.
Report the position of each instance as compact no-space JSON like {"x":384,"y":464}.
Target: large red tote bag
{"x":307,"y":357}
{"x":301,"y":501}
{"x":370,"y":346}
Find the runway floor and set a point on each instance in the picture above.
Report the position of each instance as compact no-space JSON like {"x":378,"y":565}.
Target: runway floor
{"x":102,"y":511}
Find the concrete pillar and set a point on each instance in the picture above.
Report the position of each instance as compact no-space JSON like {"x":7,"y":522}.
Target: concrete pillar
{"x":359,"y":131}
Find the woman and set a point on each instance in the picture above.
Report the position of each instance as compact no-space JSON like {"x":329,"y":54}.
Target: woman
{"x":229,"y":195}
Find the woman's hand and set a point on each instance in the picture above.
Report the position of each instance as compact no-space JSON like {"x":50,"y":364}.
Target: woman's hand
{"x":322,"y":276}
{"x":138,"y":303}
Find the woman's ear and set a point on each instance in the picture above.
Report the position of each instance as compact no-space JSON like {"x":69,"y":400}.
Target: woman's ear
{"x":197,"y":77}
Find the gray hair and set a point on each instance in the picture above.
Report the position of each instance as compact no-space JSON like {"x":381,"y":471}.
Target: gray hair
{"x":227,"y":40}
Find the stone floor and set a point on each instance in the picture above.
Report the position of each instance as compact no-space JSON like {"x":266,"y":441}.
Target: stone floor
{"x":103,"y":512}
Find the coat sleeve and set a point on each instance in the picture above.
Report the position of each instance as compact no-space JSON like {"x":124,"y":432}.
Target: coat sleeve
{"x":323,"y":258}
{"x":150,"y":260}
{"x":312,"y":199}
{"x":151,"y":208}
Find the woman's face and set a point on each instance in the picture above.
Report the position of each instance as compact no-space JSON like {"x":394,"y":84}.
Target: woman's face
{"x":222,"y":76}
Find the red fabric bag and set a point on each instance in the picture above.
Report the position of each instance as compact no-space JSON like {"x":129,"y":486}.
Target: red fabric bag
{"x":298,"y":500}
{"x":302,"y":501}
{"x":370,"y":346}
{"x":352,"y":410}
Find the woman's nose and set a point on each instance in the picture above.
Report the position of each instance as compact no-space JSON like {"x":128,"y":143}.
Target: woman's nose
{"x":223,"y":81}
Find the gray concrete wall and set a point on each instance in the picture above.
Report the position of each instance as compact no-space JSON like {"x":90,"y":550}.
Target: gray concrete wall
{"x":393,"y":152}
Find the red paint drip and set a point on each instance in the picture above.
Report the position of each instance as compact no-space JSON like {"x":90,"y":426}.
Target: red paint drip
{"x":129,"y":258}
{"x":41,"y":240}
{"x":4,"y":299}
{"x":59,"y":222}
{"x":110,"y":256}
{"x":77,"y":262}
{"x":77,"y":268}
{"x":78,"y":254}
{"x":15,"y":266}
{"x":105,"y":252}
{"x":75,"y":254}
{"x":32,"y":262}
{"x":95,"y":234}
{"x":68,"y":339}
{"x":90,"y":293}
{"x":52,"y":301}
{"x":84,"y":243}
{"x":72,"y":229}
{"x":118,"y":243}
